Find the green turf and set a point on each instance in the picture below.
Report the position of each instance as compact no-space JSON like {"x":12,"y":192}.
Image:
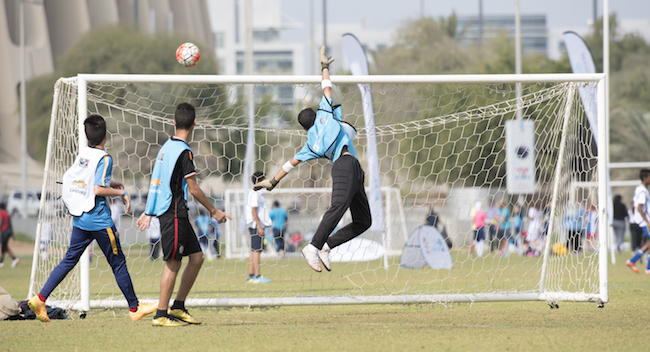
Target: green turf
{"x":459,"y":327}
{"x":291,"y":277}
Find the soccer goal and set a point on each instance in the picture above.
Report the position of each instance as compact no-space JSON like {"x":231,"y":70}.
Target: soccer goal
{"x":441,"y":143}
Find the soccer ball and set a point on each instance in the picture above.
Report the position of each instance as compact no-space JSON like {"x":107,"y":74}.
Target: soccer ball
{"x":188,"y":54}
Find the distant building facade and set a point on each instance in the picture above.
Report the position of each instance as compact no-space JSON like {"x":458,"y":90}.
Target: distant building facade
{"x":54,"y":26}
{"x":534,"y":33}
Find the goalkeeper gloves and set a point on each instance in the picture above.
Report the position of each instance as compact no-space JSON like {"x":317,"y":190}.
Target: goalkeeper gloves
{"x":268,"y":184}
{"x":324,"y":60}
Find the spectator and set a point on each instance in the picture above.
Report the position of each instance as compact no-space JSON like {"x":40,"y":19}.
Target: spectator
{"x":592,"y":228}
{"x":46,"y":235}
{"x":432,"y":217}
{"x":479,"y":217}
{"x":214,"y":230}
{"x":257,"y":220}
{"x":534,"y":241}
{"x":203,"y":225}
{"x":6,"y":233}
{"x":153,"y":234}
{"x":618,"y":223}
{"x":295,"y":241}
{"x":503,"y":232}
{"x":492,"y":221}
{"x":116,"y":213}
{"x":517,"y":225}
{"x":573,"y":223}
{"x":637,"y":238}
{"x":279,"y":218}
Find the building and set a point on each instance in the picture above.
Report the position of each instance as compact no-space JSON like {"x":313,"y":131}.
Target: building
{"x":533,"y":31}
{"x":51,"y":28}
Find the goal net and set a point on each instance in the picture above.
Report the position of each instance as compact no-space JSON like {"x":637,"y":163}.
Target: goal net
{"x":448,"y":145}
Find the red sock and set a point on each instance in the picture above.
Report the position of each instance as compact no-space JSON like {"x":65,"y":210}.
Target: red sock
{"x":133,"y":310}
{"x":41,"y":297}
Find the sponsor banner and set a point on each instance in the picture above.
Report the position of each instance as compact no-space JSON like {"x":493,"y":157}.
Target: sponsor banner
{"x":520,"y":156}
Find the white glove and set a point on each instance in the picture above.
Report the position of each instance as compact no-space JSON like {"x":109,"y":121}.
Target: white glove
{"x":324,"y":60}
{"x":268,"y":184}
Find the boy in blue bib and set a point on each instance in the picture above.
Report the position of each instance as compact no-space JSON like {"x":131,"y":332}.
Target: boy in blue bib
{"x":85,"y":186}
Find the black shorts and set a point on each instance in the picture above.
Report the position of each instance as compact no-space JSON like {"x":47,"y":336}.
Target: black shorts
{"x":479,"y":234}
{"x":503,"y":234}
{"x":257,"y":241}
{"x":177,"y":237}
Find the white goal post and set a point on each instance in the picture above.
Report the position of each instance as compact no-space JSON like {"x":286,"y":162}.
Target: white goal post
{"x":442,"y":146}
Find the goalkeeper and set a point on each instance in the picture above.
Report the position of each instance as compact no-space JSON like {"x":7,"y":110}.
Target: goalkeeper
{"x":331,"y":138}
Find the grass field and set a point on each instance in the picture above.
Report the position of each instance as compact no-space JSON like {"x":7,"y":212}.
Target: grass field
{"x":516,"y":326}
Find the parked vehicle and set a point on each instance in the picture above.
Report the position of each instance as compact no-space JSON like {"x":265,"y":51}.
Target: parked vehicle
{"x":15,"y":202}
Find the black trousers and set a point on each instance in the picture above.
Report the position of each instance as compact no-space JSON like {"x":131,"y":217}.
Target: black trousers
{"x":348,"y":192}
{"x":574,"y":239}
{"x":636,"y":236}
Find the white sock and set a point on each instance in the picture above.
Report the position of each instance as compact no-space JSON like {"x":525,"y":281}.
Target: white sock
{"x":479,"y":248}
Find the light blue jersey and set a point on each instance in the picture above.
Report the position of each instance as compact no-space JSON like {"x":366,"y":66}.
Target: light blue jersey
{"x":279,"y":218}
{"x":160,"y":192}
{"x":203,"y":225}
{"x":504,"y":215}
{"x":327,"y":137}
{"x":99,"y":218}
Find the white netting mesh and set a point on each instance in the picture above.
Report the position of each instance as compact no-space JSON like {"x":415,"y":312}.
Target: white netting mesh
{"x":440,"y":145}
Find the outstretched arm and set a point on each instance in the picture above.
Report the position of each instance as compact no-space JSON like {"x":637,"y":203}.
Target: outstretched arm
{"x":325,"y":64}
{"x":327,"y":91}
{"x":270,"y":184}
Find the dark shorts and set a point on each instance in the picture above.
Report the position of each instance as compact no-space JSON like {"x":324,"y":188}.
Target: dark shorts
{"x":503,"y":234}
{"x":5,"y":236}
{"x":257,"y":241}
{"x":177,"y":237}
{"x":278,"y":237}
{"x":479,"y":234}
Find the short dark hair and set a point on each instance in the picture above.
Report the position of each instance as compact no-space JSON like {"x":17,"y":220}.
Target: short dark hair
{"x":276,"y":204}
{"x":95,"y":128}
{"x":3,"y":206}
{"x":306,"y":118}
{"x":258,"y":176}
{"x":184,"y":116}
{"x":644,"y":173}
{"x":618,"y":199}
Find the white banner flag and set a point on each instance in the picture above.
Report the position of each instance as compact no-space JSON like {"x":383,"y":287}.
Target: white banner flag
{"x":582,"y":62}
{"x":520,"y":156}
{"x":359,"y":67}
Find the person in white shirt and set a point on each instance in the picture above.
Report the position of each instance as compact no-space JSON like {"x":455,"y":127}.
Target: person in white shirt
{"x":641,"y":208}
{"x":257,"y":219}
{"x":153,"y":235}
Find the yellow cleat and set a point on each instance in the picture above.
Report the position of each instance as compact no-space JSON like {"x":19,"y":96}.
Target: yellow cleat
{"x":167,"y":322}
{"x":143,"y":309}
{"x":39,"y":309}
{"x":184,"y":315}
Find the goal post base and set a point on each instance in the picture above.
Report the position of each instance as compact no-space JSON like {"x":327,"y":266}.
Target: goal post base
{"x":443,"y":299}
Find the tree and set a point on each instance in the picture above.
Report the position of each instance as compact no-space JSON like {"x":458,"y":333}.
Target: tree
{"x":117,"y":50}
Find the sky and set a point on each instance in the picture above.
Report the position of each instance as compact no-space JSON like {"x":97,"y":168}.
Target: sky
{"x":382,"y":14}
{"x":561,"y":15}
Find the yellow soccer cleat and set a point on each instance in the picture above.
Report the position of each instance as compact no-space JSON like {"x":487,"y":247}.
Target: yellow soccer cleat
{"x":39,"y":309}
{"x":143,"y":309}
{"x":167,"y":322}
{"x":183,"y":315}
